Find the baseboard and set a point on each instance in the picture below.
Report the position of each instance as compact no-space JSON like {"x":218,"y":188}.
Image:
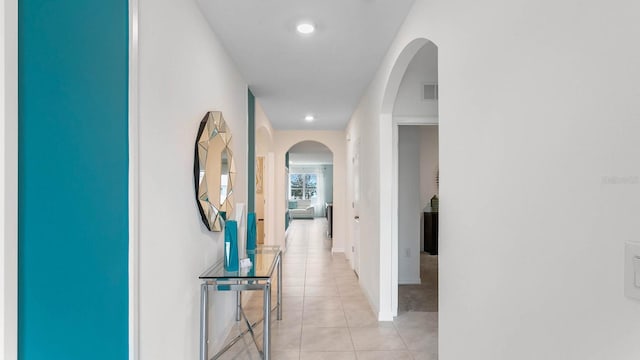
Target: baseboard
{"x":337,"y":250}
{"x":382,"y":316}
{"x":410,"y":281}
{"x":385,"y":316}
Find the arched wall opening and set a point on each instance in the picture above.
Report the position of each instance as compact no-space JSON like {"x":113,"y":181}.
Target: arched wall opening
{"x":334,"y":141}
{"x":310,"y":182}
{"x":389,"y":202}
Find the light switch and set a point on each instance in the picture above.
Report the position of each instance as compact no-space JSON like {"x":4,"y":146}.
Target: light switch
{"x":636,"y":270}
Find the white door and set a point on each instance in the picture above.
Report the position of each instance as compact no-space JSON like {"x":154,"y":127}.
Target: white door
{"x":356,"y":208}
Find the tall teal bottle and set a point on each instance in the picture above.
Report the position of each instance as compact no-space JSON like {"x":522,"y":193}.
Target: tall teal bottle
{"x":251,"y":231}
{"x":231,"y":262}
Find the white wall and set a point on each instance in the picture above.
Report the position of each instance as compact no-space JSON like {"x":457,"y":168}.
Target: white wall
{"x":428,"y":163}
{"x":538,"y":107}
{"x":423,"y":69}
{"x":9,"y":179}
{"x":184,"y":72}
{"x":409,"y":210}
{"x":335,"y":141}
{"x":361,"y":134}
{"x":328,"y":185}
{"x":264,"y":148}
{"x":264,"y":131}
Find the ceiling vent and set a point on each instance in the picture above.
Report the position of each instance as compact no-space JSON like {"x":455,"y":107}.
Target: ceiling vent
{"x":429,"y":91}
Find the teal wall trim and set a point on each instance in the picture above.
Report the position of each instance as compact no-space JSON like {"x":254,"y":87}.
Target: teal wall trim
{"x":73,"y":176}
{"x":251,"y":171}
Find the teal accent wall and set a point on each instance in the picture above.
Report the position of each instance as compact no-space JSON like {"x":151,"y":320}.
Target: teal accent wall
{"x":73,"y":168}
{"x":251,"y":171}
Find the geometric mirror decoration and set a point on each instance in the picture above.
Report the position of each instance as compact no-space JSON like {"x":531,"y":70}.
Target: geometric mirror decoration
{"x":214,"y":171}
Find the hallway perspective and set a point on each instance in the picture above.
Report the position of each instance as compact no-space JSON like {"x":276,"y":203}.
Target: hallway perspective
{"x":326,"y":315}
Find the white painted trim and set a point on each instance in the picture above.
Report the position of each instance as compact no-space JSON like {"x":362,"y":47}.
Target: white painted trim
{"x":134,"y":185}
{"x":337,"y":250}
{"x":395,"y":219}
{"x":387,"y":216}
{"x":410,"y":281}
{"x":416,"y":120}
{"x":9,"y":179}
{"x":385,"y":316}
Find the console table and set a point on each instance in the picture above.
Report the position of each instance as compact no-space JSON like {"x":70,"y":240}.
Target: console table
{"x":265,"y":259}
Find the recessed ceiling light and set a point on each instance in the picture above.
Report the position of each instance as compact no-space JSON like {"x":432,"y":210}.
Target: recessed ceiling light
{"x":309,"y":118}
{"x":305,"y":28}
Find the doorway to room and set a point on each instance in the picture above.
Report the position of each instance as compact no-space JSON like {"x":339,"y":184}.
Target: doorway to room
{"x":418,"y":173}
{"x":309,"y":185}
{"x":414,"y":120}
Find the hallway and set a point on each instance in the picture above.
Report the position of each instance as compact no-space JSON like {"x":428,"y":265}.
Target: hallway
{"x":325,"y":314}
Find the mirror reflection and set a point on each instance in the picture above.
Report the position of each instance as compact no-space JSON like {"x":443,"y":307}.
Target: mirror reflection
{"x":214,"y":171}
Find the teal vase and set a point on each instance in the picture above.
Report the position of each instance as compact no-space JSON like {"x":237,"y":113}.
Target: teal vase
{"x":252,"y":257}
{"x":251,"y":231}
{"x":231,"y":262}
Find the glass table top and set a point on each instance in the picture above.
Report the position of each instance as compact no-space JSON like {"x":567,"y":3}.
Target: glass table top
{"x":263,"y":262}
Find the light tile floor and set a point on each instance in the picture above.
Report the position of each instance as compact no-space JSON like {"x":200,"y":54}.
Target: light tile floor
{"x":326,"y":315}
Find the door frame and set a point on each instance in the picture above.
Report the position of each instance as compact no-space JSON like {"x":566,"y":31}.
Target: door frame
{"x":387,"y":139}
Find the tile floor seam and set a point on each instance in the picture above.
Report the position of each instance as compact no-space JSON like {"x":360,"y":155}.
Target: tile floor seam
{"x":401,"y":337}
{"x":355,"y":352}
{"x":304,"y":286}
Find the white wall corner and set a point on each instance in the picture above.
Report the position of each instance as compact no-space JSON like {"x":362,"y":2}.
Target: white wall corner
{"x":134,"y":185}
{"x":9,"y":179}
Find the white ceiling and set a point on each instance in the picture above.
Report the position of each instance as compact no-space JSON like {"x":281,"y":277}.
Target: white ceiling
{"x":292,"y":75}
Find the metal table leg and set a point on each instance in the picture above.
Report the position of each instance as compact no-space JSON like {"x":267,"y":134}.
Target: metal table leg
{"x":266,"y":323}
{"x":204,"y":321}
{"x":279,"y":291}
{"x":238,"y":304}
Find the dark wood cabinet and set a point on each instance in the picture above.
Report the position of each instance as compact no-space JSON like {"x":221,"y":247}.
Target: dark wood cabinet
{"x":431,"y":232}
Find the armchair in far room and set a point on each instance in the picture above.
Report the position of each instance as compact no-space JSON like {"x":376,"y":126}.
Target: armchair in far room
{"x":302,"y":209}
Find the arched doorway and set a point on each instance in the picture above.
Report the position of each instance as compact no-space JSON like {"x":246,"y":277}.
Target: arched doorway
{"x":309,"y":183}
{"x":389,"y":154}
{"x":285,"y":140}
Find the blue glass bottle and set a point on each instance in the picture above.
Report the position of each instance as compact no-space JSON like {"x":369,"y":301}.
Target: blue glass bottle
{"x":231,"y":262}
{"x":251,"y":231}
